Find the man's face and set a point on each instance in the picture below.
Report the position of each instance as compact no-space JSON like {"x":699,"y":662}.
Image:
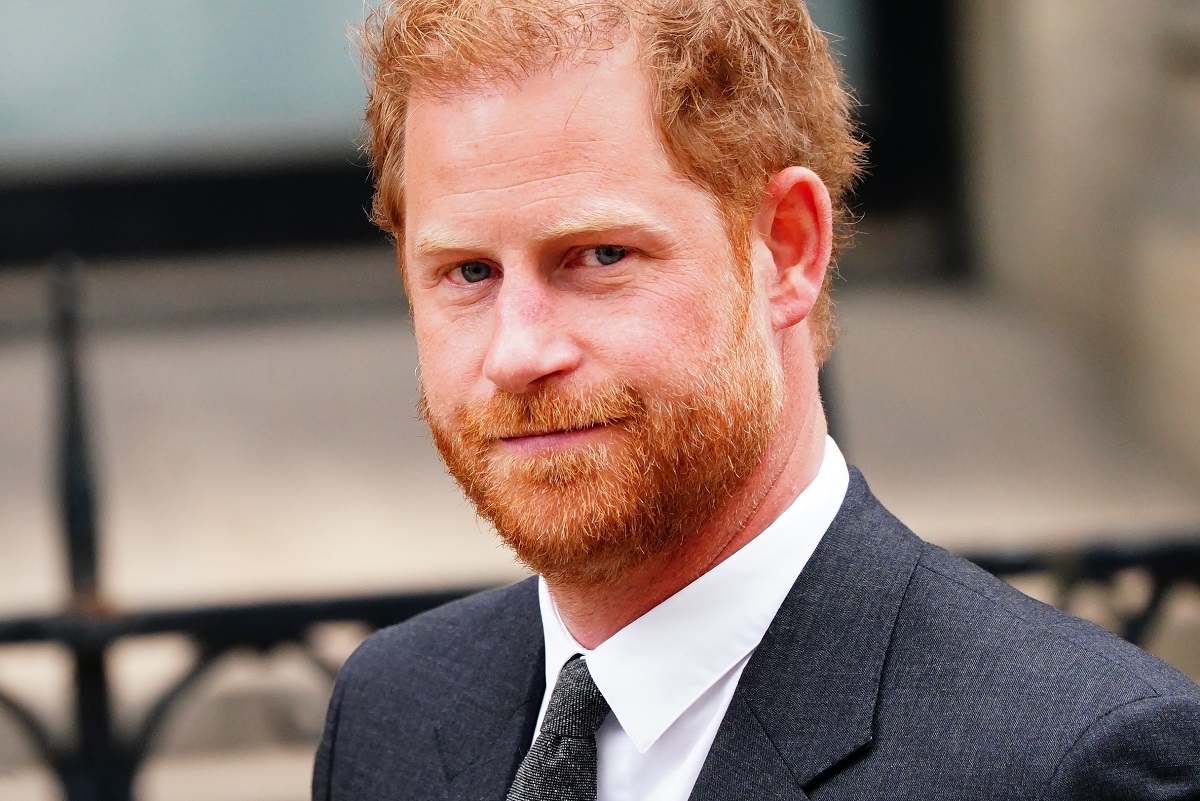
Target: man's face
{"x":592,"y":372}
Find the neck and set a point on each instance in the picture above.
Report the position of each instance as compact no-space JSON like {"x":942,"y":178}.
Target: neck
{"x":594,"y":613}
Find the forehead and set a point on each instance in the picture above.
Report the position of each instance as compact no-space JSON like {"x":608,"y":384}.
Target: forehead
{"x":542,"y":145}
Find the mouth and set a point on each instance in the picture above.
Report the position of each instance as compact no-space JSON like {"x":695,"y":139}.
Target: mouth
{"x":552,"y":432}
{"x":556,"y":438}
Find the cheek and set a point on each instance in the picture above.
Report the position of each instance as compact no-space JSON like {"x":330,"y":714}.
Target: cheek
{"x":445,"y":362}
{"x":670,"y":332}
{"x":699,"y":314}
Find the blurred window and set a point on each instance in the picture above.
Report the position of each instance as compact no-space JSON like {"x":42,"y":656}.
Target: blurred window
{"x":134,"y":84}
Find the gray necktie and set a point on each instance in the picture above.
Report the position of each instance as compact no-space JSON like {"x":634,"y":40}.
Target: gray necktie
{"x":561,"y":765}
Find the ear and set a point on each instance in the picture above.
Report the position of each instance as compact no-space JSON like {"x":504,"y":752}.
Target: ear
{"x":795,"y":223}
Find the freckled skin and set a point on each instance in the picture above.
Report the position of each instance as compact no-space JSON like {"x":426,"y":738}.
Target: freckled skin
{"x":495,"y":169}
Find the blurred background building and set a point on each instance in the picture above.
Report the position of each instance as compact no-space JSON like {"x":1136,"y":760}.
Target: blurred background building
{"x":1018,"y":375}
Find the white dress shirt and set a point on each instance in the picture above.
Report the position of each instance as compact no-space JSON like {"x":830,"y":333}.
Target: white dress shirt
{"x":669,"y":675}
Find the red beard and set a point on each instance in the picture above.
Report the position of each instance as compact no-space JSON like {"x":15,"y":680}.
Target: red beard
{"x":586,"y":514}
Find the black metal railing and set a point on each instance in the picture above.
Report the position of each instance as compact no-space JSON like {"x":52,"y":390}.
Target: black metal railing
{"x":100,"y":762}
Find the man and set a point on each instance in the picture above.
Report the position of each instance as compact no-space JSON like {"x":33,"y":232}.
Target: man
{"x":615,"y":224}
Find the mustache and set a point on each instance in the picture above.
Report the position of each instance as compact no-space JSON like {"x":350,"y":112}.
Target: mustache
{"x":545,"y":410}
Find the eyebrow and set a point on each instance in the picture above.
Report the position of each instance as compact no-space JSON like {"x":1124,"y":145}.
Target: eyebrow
{"x":438,"y":239}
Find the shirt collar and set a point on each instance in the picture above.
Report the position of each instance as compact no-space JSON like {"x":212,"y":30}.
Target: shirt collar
{"x":654,"y":669}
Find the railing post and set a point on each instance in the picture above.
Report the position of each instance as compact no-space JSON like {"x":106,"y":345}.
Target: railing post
{"x":75,"y":483}
{"x":94,"y":771}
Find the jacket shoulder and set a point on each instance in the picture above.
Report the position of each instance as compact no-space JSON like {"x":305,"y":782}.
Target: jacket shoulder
{"x":432,"y":646}
{"x":1007,"y":617}
{"x":1029,"y":701}
{"x":458,"y":666}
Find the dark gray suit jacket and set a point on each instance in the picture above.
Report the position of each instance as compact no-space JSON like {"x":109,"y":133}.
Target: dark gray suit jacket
{"x":892,"y":671}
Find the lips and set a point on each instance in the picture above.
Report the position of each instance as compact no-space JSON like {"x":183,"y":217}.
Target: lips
{"x":554,"y":432}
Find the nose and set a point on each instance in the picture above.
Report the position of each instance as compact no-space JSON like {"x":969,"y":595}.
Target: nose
{"x":531,"y":339}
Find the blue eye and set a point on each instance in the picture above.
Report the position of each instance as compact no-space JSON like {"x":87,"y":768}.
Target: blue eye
{"x":475,"y":271}
{"x":609,"y":254}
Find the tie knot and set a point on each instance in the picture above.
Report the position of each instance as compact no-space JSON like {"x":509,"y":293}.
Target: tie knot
{"x":576,"y":706}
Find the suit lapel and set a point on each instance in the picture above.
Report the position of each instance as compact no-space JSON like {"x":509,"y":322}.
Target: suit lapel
{"x":744,"y":762}
{"x":806,"y":700}
{"x":481,"y":755}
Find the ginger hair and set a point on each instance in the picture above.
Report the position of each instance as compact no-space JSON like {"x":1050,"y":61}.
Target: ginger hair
{"x":741,"y":89}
